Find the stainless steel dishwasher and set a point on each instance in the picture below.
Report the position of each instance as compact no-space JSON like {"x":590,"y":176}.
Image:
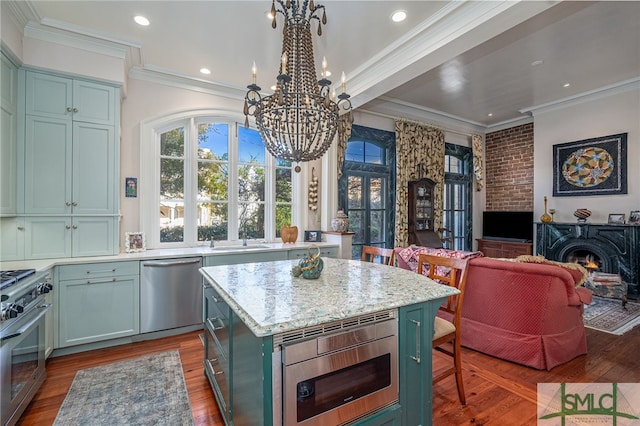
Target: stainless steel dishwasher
{"x":170,"y":293}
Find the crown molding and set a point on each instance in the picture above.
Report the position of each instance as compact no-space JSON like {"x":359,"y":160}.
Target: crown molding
{"x":22,"y":12}
{"x":612,"y":89}
{"x":394,"y":108}
{"x":169,"y":78}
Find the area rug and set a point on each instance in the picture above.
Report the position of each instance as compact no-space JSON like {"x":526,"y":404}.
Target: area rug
{"x":149,"y":390}
{"x":608,"y":315}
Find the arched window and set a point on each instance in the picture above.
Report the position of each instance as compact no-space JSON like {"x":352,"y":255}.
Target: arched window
{"x":211,"y":179}
{"x":367,"y":187}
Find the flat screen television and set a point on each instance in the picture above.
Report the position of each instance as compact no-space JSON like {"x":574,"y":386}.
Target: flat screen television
{"x":507,"y":226}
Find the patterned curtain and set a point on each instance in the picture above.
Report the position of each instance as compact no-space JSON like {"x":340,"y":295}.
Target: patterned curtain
{"x":419,"y":153}
{"x":478,"y":162}
{"x":344,"y":133}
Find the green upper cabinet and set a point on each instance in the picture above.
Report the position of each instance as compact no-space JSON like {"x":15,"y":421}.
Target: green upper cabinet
{"x":8,"y":137}
{"x":70,"y":146}
{"x":68,"y":180}
{"x":77,"y":100}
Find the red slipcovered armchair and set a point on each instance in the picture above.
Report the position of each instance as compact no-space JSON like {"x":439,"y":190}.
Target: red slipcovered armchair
{"x":528,"y":313}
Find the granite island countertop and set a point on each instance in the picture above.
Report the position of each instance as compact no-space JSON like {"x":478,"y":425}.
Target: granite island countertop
{"x":269,"y":300}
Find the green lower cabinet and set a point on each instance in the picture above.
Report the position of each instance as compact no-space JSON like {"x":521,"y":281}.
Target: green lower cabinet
{"x":414,"y":340}
{"x":391,"y":416}
{"x":104,"y":305}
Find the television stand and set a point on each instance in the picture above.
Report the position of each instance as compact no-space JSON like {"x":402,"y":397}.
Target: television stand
{"x":503,"y":248}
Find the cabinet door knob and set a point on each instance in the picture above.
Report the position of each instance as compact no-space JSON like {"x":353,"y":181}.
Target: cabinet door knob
{"x":69,"y":109}
{"x":75,"y":226}
{"x":68,"y":203}
{"x":68,"y":227}
{"x":75,"y":110}
{"x":20,"y":228}
{"x":74,"y":204}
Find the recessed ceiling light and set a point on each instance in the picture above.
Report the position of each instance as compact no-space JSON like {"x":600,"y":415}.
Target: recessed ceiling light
{"x":537,"y":62}
{"x":566,"y":85}
{"x":141,"y":20}
{"x":399,"y":16}
{"x":490,"y":114}
{"x":205,"y":71}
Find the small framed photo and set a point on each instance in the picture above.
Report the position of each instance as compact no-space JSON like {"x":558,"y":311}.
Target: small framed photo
{"x":134,"y":242}
{"x":634,"y":217}
{"x":131,"y":187}
{"x":312,"y":236}
{"x":616,"y":218}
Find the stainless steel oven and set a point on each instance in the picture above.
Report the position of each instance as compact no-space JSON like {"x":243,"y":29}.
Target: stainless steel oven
{"x":22,"y":343}
{"x":340,"y":375}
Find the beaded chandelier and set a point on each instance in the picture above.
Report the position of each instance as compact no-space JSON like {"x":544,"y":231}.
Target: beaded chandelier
{"x":299,"y":121}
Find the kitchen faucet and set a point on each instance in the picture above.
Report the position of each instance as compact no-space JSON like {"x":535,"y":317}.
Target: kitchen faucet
{"x":244,"y":240}
{"x":212,"y":244}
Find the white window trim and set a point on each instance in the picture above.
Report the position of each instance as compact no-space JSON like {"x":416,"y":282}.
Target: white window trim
{"x":150,"y":131}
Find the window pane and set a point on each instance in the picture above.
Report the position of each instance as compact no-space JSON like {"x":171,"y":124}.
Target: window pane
{"x":212,"y":221}
{"x":373,"y":154}
{"x":376,"y":226}
{"x":172,"y":143}
{"x":250,"y":146}
{"x":213,"y":141}
{"x":356,"y":224}
{"x":251,"y":220}
{"x":171,"y":178}
{"x":251,"y":183}
{"x":283,"y":217}
{"x":354,"y":192}
{"x":376,"y":194}
{"x":171,"y":221}
{"x":283,"y":186}
{"x":355,"y":151}
{"x":213,"y":181}
{"x":457,"y":198}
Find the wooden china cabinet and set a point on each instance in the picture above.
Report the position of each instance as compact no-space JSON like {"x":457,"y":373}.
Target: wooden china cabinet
{"x":420,"y":214}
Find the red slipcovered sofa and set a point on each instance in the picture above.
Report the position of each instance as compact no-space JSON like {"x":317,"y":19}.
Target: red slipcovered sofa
{"x":526,"y":312}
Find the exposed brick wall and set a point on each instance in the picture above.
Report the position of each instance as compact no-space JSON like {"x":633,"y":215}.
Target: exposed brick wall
{"x":509,"y":169}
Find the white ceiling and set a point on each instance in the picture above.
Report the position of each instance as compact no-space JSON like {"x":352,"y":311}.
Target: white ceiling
{"x":462,"y":60}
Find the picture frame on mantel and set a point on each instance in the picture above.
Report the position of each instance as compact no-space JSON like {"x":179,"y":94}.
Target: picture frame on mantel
{"x":596,"y":166}
{"x":616,"y":218}
{"x":634,"y":217}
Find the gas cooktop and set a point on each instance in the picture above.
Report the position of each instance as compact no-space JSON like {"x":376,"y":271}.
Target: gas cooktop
{"x":9,"y":278}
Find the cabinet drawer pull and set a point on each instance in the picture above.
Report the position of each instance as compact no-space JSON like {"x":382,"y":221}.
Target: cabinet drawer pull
{"x":217,"y":373}
{"x":212,"y":321}
{"x":112,"y":280}
{"x":417,"y":357}
{"x":101,"y":271}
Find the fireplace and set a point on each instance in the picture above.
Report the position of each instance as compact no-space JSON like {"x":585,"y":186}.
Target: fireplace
{"x":610,"y":248}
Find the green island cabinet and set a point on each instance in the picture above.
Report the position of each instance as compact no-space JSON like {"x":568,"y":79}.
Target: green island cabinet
{"x":70,"y":151}
{"x":239,"y":366}
{"x":96,"y":301}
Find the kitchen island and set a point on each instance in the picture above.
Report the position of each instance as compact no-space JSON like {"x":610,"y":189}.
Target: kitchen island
{"x":254,"y":312}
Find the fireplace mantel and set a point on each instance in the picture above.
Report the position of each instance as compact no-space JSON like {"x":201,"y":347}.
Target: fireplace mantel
{"x":617,"y":246}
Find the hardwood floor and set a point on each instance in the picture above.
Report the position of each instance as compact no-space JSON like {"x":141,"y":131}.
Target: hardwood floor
{"x":498,"y":392}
